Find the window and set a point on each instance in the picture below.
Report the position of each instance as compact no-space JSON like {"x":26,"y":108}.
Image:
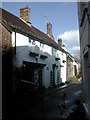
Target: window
{"x":29,"y":40}
{"x":42,"y":45}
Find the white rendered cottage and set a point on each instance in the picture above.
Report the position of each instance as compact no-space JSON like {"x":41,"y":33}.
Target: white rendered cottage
{"x":37,"y":58}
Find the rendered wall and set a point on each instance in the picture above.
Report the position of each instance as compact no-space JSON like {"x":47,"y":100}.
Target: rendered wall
{"x":25,"y":45}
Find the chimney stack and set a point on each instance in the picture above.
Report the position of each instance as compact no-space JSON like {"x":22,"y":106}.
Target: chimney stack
{"x":59,"y":41}
{"x":63,"y":45}
{"x":25,"y":14}
{"x":49,"y":30}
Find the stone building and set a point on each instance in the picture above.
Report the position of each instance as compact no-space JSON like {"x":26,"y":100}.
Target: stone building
{"x":69,"y":66}
{"x":84,"y":29}
{"x":72,"y":67}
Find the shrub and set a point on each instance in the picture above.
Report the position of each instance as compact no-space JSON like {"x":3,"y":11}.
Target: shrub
{"x":72,"y":80}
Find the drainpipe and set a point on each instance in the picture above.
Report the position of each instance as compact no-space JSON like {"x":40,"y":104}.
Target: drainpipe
{"x":15,"y":42}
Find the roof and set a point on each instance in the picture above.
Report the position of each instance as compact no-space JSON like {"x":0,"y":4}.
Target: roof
{"x":16,"y":24}
{"x":71,"y":57}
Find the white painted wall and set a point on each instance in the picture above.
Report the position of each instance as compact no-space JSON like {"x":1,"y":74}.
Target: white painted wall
{"x":63,"y":69}
{"x":63,"y":65}
{"x":23,"y":47}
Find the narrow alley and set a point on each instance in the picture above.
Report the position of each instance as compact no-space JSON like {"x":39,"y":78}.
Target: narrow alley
{"x":46,"y":105}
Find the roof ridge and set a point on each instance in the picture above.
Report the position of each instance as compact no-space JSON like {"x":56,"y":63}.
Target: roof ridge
{"x":28,"y":25}
{"x":24,"y":26}
{"x":42,"y":32}
{"x":9,"y":12}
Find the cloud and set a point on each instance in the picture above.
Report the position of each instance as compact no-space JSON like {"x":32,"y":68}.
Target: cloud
{"x":75,"y":48}
{"x":71,"y":40}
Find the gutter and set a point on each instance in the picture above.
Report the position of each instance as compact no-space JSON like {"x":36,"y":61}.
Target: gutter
{"x":29,"y":34}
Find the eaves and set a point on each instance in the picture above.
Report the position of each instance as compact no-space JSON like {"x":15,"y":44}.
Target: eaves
{"x":4,"y":23}
{"x":10,"y":27}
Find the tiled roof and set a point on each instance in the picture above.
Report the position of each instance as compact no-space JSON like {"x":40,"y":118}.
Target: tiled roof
{"x":19,"y":24}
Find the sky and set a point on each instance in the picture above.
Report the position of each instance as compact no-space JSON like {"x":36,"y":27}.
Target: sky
{"x":62,"y":15}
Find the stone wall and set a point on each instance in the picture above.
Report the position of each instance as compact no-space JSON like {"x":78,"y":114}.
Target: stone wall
{"x":6,"y":39}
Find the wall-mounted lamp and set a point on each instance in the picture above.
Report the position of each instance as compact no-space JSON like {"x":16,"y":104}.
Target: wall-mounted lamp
{"x":61,"y":66}
{"x":63,"y":61}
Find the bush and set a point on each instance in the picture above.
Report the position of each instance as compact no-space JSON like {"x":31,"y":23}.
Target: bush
{"x":72,"y":80}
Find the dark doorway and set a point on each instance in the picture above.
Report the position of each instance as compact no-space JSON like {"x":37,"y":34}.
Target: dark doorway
{"x":75,"y":70}
{"x":28,"y":73}
{"x":31,"y":75}
{"x":40,"y":77}
{"x":54,"y":65}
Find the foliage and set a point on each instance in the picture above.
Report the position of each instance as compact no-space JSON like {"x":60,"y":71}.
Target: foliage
{"x":72,"y":80}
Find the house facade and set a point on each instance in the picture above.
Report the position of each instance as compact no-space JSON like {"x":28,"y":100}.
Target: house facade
{"x":37,"y":58}
{"x":84,"y":29}
{"x":41,"y":63}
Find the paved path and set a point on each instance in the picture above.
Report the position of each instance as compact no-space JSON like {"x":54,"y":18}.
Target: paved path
{"x":72,"y":93}
{"x":44,"y":104}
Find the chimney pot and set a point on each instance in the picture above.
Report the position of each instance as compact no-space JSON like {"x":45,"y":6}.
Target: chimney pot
{"x":63,"y":45}
{"x":60,"y":41}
